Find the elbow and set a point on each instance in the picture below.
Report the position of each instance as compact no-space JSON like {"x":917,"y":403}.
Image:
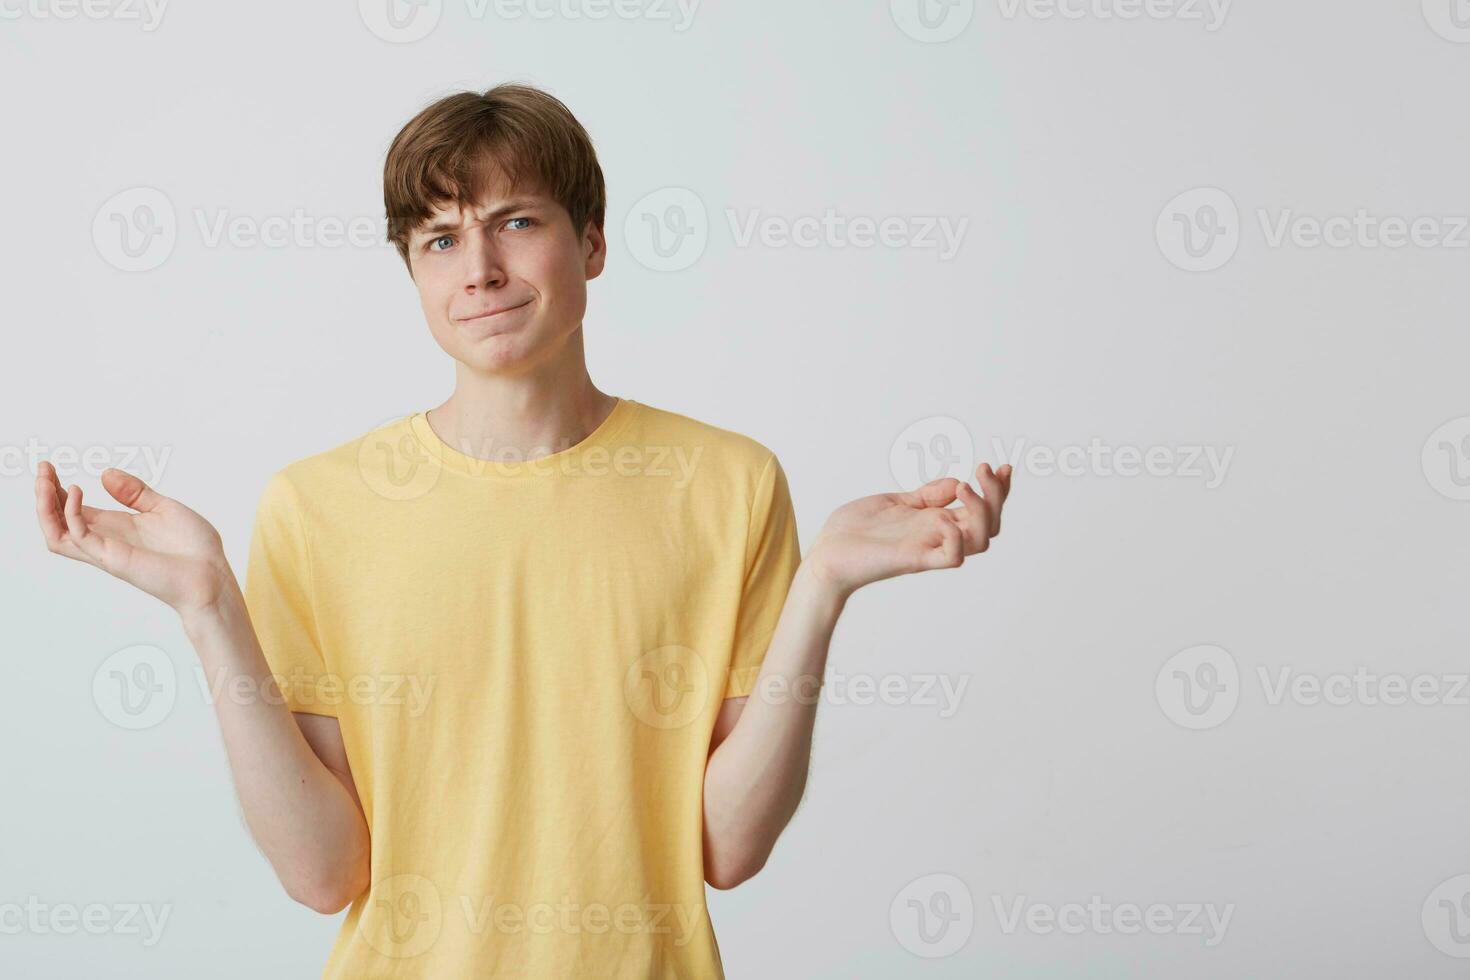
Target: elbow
{"x":721,"y":882}
{"x":330,"y":894}
{"x":727,"y":875}
{"x":325,"y":899}
{"x":322,"y":903}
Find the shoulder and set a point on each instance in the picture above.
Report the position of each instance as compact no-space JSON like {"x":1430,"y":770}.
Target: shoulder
{"x":339,"y":471}
{"x":730,"y":452}
{"x":721,"y":463}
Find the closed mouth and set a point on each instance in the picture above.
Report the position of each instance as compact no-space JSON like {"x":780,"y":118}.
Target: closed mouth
{"x":489,"y":313}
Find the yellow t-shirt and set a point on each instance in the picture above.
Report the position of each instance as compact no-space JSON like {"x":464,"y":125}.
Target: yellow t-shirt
{"x":526,"y":660}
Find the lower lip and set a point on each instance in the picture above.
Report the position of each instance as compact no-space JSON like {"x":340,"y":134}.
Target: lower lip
{"x":493,"y":318}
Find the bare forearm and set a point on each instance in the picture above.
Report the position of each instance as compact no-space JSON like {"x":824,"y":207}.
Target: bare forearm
{"x":756,"y":777}
{"x":302,"y":816}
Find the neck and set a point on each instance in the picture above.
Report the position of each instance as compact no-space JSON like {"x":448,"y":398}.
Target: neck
{"x":524,"y":416}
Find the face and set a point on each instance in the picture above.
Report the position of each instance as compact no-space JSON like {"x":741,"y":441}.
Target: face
{"x":503,"y":284}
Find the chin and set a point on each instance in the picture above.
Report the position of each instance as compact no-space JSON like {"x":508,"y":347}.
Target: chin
{"x":500,"y":354}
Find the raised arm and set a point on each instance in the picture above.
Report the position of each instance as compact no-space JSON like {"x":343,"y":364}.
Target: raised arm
{"x":761,"y":746}
{"x":290,"y":771}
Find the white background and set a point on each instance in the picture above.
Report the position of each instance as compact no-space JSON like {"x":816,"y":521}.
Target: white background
{"x":1335,"y":540}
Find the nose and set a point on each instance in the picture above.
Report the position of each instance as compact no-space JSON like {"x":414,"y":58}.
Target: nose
{"x":483,"y":264}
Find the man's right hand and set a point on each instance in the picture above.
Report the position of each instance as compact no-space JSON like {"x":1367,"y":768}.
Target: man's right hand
{"x":165,"y":549}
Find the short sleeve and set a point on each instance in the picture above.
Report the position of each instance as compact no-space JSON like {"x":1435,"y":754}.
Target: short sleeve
{"x":772,"y":554}
{"x":278,"y":596}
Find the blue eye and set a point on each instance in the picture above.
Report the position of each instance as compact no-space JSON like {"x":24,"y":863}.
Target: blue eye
{"x":441,"y":238}
{"x":523,"y":218}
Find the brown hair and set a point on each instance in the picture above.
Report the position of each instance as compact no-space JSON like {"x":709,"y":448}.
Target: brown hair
{"x":452,"y":149}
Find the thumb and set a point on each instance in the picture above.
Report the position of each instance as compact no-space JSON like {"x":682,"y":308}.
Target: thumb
{"x":935,"y":493}
{"x":130,"y":491}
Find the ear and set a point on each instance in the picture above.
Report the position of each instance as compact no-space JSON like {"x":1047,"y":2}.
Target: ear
{"x":594,"y":247}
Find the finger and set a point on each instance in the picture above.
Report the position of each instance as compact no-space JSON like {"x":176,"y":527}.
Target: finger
{"x":71,"y":512}
{"x":48,"y":511}
{"x":950,"y":550}
{"x":1004,"y":475}
{"x":57,"y":495}
{"x":935,"y":493}
{"x":47,"y":473}
{"x":51,"y":514}
{"x":974,"y":519}
{"x":54,"y":487}
{"x":130,"y":491}
{"x":1005,"y":492}
{"x":994,"y":492}
{"x":76,"y":526}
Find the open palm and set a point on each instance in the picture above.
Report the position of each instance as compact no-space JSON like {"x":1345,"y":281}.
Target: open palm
{"x":889,"y":534}
{"x":165,"y":549}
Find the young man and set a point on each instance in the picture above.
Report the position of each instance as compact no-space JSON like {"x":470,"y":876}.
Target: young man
{"x":547,"y":657}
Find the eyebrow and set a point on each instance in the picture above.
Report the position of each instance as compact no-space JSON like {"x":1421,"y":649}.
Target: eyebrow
{"x":445,"y":224}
